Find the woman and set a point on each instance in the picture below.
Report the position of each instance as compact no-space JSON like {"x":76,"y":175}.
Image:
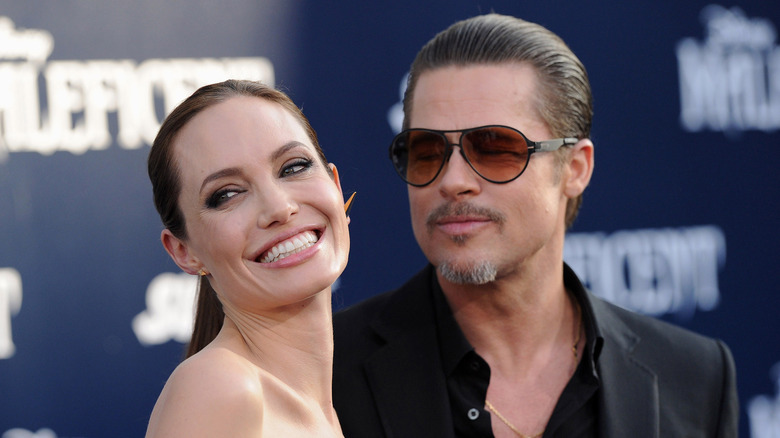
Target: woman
{"x":250,"y":204}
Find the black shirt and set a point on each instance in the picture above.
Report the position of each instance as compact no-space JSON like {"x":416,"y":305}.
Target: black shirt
{"x":468,"y":375}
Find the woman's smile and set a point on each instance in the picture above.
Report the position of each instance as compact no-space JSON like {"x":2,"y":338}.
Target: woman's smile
{"x":293,"y":245}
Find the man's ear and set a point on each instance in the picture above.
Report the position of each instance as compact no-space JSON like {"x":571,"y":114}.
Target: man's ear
{"x":179,"y":252}
{"x":580,"y":168}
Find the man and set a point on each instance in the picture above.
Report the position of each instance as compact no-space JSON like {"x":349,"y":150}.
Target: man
{"x":497,"y":336}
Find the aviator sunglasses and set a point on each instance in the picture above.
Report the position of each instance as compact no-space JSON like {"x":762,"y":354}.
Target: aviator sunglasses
{"x":497,"y":153}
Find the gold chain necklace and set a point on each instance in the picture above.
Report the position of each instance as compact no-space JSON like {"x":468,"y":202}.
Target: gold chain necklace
{"x":493,"y":409}
{"x":511,"y":426}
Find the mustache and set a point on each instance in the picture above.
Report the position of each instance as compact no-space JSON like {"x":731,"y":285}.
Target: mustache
{"x":463,"y":209}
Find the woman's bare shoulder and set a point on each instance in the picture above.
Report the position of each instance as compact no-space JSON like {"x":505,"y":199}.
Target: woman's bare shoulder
{"x":213,"y":393}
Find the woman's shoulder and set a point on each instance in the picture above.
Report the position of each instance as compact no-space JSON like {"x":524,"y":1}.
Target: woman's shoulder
{"x":219,"y":372}
{"x":210,"y":394}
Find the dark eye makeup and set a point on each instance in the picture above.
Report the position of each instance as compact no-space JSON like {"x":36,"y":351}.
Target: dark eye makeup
{"x":218,"y":198}
{"x":296,"y":166}
{"x":289,"y":169}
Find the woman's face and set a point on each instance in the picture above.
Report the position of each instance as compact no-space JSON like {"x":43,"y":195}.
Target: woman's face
{"x":263,"y":216}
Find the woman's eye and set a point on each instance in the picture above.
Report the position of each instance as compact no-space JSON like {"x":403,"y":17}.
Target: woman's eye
{"x":296,"y":167}
{"x":220,"y":197}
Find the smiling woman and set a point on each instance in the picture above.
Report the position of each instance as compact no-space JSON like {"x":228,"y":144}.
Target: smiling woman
{"x":250,"y":204}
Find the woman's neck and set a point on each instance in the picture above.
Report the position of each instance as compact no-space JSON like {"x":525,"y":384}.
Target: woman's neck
{"x":293,"y":343}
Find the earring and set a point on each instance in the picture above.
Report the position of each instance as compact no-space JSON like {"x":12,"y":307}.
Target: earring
{"x":348,"y":204}
{"x":203,"y":272}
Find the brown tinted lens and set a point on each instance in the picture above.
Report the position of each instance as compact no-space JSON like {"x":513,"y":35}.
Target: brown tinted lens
{"x":497,"y":153}
{"x":425,"y":155}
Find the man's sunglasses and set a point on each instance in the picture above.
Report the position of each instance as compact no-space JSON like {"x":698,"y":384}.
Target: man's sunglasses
{"x":497,"y":153}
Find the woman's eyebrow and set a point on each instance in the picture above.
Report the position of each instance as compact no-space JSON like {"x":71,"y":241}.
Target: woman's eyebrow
{"x":286,"y":147}
{"x":233,"y":171}
{"x":230,"y":171}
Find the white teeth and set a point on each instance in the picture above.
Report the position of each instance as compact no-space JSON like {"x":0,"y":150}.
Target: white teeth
{"x":289,"y":247}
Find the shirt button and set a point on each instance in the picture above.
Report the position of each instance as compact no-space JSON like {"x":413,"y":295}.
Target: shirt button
{"x":475,"y":366}
{"x":473,"y":414}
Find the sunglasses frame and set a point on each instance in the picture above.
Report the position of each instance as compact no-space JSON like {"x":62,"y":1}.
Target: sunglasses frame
{"x":533,"y":147}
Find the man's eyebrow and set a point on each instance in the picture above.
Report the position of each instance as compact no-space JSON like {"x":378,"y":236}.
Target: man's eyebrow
{"x":233,"y":171}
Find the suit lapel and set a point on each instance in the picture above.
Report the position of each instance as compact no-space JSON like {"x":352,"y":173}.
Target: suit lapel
{"x":629,"y":389}
{"x":405,"y":374}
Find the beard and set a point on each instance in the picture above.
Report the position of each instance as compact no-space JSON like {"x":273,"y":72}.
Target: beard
{"x":479,"y":273}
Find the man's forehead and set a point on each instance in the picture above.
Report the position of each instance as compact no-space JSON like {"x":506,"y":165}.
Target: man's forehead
{"x":460,"y":97}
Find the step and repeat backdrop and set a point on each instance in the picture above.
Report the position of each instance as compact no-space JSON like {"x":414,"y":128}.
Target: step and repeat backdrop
{"x":680,"y":221}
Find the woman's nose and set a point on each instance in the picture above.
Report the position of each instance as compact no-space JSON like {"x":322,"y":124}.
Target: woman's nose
{"x":276,"y":206}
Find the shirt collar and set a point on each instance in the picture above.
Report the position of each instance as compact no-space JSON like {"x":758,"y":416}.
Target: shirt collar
{"x":452,"y":342}
{"x":594,"y":338}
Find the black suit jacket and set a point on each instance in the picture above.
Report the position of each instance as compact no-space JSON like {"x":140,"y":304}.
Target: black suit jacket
{"x":657,"y":380}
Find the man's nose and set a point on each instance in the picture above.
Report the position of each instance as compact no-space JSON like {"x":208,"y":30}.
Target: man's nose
{"x":457,"y":177}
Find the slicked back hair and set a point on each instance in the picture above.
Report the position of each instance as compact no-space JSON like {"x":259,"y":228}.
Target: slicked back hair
{"x":564,"y":100}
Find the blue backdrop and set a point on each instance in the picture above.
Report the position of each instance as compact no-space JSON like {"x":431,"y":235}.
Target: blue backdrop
{"x":679,"y":221}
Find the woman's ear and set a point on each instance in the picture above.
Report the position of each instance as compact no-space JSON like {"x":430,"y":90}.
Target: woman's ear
{"x":580,"y":168}
{"x":179,"y":252}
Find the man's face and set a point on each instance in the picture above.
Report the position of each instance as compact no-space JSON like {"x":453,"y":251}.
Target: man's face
{"x":472,"y":230}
